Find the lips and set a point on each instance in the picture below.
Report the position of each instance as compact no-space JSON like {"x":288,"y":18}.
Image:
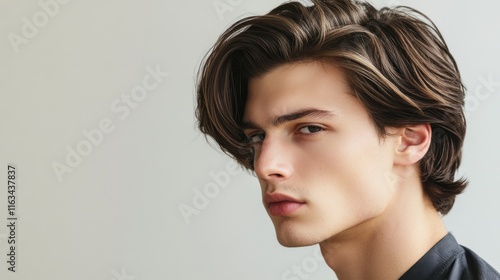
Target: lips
{"x":281,"y":205}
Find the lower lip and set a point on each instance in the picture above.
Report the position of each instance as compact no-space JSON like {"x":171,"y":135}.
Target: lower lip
{"x":284,"y":208}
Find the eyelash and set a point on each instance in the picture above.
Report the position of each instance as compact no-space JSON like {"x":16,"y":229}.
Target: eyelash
{"x":319,"y":128}
{"x":262,"y":135}
{"x":258,"y":134}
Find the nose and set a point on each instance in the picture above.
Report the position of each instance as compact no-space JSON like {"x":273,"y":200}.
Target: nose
{"x":272,"y":161}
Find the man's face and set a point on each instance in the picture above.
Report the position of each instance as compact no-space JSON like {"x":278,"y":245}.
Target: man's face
{"x":321,"y":165}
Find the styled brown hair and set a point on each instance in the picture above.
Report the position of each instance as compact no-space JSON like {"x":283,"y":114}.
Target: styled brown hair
{"x":395,"y":61}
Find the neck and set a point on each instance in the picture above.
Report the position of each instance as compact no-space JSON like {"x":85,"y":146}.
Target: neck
{"x":386,"y":246}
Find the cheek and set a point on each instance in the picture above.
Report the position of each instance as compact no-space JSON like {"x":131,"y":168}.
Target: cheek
{"x":348,"y":177}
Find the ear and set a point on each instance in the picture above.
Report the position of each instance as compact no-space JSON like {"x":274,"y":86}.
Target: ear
{"x":414,"y":143}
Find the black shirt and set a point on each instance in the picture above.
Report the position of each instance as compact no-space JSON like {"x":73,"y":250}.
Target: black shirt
{"x":448,"y":260}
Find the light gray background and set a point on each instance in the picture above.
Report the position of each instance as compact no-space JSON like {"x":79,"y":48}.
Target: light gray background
{"x":116,"y":215}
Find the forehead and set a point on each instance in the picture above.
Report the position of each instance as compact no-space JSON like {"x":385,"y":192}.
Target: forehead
{"x":295,"y":86}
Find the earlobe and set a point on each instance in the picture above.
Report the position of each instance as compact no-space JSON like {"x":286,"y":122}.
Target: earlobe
{"x":414,"y":143}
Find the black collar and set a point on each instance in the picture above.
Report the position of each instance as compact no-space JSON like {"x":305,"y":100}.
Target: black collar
{"x":435,"y":263}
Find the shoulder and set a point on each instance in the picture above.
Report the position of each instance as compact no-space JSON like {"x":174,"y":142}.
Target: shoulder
{"x":469,"y":265}
{"x":447,"y":260}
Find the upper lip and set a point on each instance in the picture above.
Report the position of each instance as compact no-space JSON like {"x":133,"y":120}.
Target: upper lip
{"x":270,"y":198}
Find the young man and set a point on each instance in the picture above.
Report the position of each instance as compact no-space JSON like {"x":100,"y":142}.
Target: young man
{"x":352,"y":120}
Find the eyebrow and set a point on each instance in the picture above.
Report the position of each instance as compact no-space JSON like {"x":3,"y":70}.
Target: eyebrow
{"x":278,"y":120}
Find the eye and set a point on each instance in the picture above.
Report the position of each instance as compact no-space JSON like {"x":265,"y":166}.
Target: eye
{"x":256,"y":138}
{"x":310,"y":129}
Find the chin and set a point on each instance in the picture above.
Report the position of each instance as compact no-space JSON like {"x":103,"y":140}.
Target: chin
{"x":293,"y":243}
{"x":287,"y":241}
{"x":294,"y":238}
